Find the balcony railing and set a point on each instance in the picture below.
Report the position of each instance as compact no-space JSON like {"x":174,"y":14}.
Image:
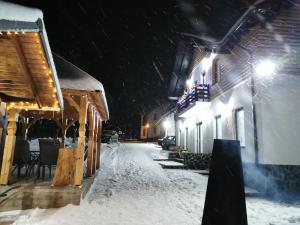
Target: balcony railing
{"x":199,"y":92}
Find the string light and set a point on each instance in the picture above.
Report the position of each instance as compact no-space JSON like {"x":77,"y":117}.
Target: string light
{"x":48,"y":75}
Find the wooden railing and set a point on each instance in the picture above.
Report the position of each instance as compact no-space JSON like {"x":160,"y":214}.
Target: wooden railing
{"x":199,"y":92}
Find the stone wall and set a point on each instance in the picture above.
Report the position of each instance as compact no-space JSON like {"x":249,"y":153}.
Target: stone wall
{"x":196,"y":161}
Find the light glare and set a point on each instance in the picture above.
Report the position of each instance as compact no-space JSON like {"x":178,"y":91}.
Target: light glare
{"x":265,"y":68}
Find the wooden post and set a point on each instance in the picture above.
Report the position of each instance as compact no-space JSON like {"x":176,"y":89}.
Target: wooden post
{"x":95,"y":144}
{"x":9,"y":148}
{"x":89,"y":169}
{"x":79,"y":155}
{"x":64,"y":173}
{"x":99,"y":143}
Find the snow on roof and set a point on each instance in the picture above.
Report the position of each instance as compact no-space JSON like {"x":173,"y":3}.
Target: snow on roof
{"x":14,"y":12}
{"x":20,"y":15}
{"x":72,"y":77}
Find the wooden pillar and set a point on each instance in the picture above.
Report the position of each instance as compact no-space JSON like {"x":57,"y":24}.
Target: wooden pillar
{"x":99,"y":143}
{"x":79,"y":155}
{"x":64,"y":173}
{"x":9,"y":148}
{"x":95,"y":144}
{"x":91,"y":155}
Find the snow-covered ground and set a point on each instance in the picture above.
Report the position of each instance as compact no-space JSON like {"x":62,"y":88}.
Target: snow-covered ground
{"x":132,"y":189}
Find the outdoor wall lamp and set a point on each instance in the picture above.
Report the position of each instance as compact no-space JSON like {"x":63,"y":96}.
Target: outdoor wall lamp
{"x":189,"y":83}
{"x":265,"y":68}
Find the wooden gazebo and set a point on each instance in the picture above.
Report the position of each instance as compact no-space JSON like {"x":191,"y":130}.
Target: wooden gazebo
{"x":28,"y":79}
{"x":33,"y":86}
{"x":84,"y":99}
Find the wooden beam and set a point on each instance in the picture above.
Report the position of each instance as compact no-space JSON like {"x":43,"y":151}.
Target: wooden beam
{"x":26,"y":70}
{"x":89,"y":169}
{"x":79,"y":154}
{"x":9,"y":148}
{"x":72,"y":103}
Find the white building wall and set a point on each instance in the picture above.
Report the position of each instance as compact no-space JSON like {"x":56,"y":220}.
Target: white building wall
{"x":279,"y":122}
{"x":224,"y":105}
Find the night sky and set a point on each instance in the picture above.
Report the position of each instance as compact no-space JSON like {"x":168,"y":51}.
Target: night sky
{"x":130,"y":46}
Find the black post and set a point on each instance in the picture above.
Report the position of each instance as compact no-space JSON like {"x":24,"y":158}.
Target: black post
{"x":225,"y":202}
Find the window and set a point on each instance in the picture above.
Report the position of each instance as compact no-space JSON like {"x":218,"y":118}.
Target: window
{"x":144,"y":132}
{"x":186,"y":137}
{"x":179,"y":137}
{"x":240,"y":126}
{"x":215,"y":71}
{"x":154,"y":130}
{"x":199,"y":143}
{"x":218,"y":127}
{"x":154,"y":116}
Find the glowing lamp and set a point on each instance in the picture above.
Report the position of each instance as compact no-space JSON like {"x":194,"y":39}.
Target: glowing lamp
{"x":265,"y":68}
{"x":189,"y":83}
{"x":166,"y":124}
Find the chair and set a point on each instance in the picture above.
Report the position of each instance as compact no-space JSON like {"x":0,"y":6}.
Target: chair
{"x":48,"y":154}
{"x":22,"y":156}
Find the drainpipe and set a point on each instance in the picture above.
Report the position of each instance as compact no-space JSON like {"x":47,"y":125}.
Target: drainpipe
{"x":253,"y":94}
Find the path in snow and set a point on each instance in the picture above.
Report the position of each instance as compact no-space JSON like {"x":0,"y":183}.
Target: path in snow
{"x":133,"y":189}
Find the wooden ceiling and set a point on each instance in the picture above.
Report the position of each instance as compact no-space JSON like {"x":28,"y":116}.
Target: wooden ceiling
{"x":25,"y":74}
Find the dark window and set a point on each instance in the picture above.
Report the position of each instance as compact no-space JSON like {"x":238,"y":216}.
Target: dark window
{"x":154,"y":130}
{"x":154,"y":116}
{"x":144,"y":132}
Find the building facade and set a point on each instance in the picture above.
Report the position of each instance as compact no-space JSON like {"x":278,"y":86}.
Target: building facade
{"x":158,"y":123}
{"x":247,"y":89}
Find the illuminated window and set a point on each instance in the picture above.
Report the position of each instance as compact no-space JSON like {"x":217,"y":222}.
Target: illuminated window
{"x":240,"y":126}
{"x":199,"y":142}
{"x":186,"y":138}
{"x":218,"y":127}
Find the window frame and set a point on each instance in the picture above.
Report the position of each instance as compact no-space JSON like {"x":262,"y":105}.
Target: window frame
{"x":236,"y":111}
{"x":217,"y":118}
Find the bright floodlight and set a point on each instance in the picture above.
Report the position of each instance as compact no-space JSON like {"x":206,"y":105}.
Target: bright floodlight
{"x":166,"y":124}
{"x":265,"y":68}
{"x":189,"y":83}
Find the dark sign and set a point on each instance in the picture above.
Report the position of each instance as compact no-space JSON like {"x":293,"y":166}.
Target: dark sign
{"x":225,"y":195}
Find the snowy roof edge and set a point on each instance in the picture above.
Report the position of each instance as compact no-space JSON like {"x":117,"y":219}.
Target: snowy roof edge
{"x":79,"y":84}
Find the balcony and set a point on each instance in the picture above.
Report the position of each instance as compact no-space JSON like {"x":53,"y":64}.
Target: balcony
{"x":198,"y":93}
